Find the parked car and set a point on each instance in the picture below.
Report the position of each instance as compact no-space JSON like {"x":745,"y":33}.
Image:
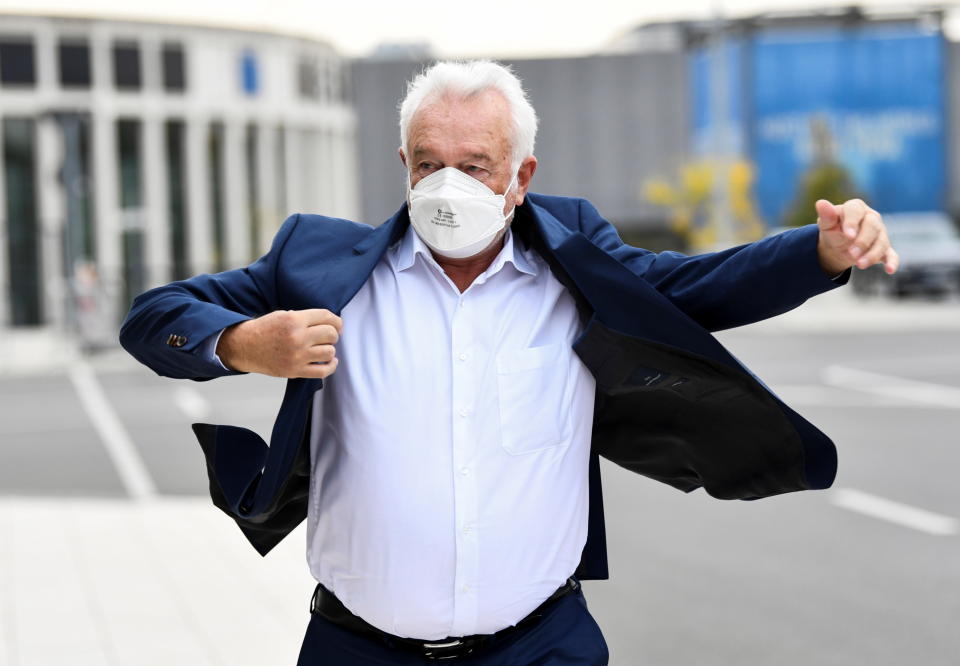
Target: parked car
{"x":929,"y":249}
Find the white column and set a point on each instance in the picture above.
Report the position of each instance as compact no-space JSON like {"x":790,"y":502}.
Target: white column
{"x":156,"y":222}
{"x":236,"y":216}
{"x":199,"y":221}
{"x":294,"y":170}
{"x":270,"y":213}
{"x":104,"y":158}
{"x":51,"y":209}
{"x":106,"y":209}
{"x":45,"y":53}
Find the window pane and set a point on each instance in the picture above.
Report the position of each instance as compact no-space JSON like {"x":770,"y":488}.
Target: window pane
{"x":215,"y":162}
{"x":129,"y":148}
{"x":23,"y":232}
{"x":249,"y":74}
{"x":174,"y":76}
{"x":308,"y":78}
{"x":16,"y":62}
{"x":128,"y":143}
{"x":126,"y":65}
{"x":74,"y":64}
{"x":177,"y":198}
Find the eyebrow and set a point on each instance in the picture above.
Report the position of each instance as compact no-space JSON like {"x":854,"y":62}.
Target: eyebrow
{"x":418,"y":152}
{"x":480,"y":156}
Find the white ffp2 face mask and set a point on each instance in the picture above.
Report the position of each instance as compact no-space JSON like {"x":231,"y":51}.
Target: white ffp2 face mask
{"x":456,"y":215}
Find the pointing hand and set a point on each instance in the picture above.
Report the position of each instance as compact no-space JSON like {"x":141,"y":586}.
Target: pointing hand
{"x":852,"y":234}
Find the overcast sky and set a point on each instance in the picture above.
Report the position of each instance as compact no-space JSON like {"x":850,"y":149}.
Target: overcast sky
{"x":498,"y":28}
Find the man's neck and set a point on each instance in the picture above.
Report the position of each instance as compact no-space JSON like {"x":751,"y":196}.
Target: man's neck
{"x":464,"y":271}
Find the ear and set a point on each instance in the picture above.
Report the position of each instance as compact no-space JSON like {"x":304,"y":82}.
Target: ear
{"x":403,"y":157}
{"x":524,"y":175}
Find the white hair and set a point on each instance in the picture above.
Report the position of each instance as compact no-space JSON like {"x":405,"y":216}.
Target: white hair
{"x":467,"y":79}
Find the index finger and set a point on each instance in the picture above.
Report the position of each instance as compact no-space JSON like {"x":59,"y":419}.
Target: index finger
{"x":316,"y":316}
{"x":891,"y":261}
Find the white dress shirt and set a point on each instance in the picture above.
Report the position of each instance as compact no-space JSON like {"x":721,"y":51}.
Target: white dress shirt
{"x":450,"y":449}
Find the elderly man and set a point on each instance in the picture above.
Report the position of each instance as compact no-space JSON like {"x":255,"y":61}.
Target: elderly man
{"x":476,"y":354}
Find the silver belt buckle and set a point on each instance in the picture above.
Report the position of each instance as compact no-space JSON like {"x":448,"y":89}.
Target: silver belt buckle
{"x":436,"y":650}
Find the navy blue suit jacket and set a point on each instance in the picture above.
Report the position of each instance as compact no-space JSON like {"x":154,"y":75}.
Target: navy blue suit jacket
{"x":671,"y":404}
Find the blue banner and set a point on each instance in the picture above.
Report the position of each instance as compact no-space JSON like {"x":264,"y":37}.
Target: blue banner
{"x":878,"y":90}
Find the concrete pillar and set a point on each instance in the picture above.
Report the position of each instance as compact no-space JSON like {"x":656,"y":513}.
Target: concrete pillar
{"x":199,"y":222}
{"x":51,"y":210}
{"x":106,"y":210}
{"x":156,"y":222}
{"x":294,"y":170}
{"x":270,"y":214}
{"x":235,"y":209}
{"x":51,"y":207}
{"x":45,"y":55}
{"x":104,"y":160}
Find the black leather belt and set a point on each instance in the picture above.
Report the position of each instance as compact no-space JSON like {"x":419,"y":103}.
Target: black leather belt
{"x":327,"y":606}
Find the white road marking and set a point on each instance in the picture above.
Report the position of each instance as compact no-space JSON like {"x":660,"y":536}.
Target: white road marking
{"x":920,"y":393}
{"x":191,"y":403}
{"x":130,"y":466}
{"x":895,"y":512}
{"x":818,"y":395}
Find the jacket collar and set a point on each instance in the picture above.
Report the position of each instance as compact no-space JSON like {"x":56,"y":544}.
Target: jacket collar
{"x":385,"y":235}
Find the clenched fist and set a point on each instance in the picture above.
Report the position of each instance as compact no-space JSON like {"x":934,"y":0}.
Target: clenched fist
{"x":285,"y":343}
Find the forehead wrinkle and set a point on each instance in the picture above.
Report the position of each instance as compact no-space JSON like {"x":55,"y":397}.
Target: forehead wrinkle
{"x":482,"y":118}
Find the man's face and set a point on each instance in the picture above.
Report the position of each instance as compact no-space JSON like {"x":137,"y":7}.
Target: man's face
{"x":472,"y":135}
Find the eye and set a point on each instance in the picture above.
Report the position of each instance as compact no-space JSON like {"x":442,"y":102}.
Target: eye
{"x":425,"y":166}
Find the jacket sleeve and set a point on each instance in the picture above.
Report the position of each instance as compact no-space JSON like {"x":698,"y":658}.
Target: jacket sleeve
{"x":166,"y":326}
{"x":733,"y":287}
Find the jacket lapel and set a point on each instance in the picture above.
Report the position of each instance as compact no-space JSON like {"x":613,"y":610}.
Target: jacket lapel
{"x":367,"y":253}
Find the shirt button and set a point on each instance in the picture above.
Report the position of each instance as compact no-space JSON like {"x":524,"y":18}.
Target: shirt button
{"x":467,"y":529}
{"x":464,"y":412}
{"x":463,"y":356}
{"x":465,"y":589}
{"x":464,"y":471}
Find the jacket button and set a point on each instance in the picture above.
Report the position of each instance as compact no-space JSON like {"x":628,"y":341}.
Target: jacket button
{"x":175,"y":340}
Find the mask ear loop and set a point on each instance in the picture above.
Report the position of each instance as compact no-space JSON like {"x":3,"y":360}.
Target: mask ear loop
{"x":513,"y":181}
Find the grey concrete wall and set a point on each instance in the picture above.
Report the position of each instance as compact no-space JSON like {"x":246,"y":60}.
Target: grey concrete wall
{"x":607,"y":123}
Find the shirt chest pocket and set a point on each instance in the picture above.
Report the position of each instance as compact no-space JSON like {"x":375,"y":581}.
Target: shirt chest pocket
{"x":533,"y":398}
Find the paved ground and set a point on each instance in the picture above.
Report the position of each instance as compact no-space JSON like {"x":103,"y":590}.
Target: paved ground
{"x":111,"y":554}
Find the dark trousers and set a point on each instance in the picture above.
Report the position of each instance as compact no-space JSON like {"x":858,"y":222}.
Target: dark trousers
{"x":566,"y":636}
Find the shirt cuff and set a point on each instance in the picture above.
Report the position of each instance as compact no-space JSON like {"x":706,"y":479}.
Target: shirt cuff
{"x":207,"y":350}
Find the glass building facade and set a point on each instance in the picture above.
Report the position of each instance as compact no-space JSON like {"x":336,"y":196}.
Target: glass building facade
{"x":134,"y":154}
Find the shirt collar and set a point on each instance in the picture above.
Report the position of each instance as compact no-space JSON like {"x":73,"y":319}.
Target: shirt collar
{"x":411,"y":245}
